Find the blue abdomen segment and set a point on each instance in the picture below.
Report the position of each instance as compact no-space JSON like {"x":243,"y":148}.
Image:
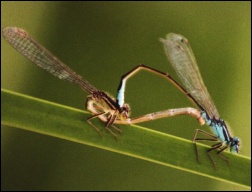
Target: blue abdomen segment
{"x":219,"y":131}
{"x":120,"y":93}
{"x":217,"y":126}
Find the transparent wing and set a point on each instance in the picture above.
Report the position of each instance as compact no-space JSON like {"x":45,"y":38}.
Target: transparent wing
{"x":35,"y":52}
{"x":183,"y":61}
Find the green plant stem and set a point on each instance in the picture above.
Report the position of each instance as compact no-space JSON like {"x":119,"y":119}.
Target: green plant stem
{"x":25,"y":112}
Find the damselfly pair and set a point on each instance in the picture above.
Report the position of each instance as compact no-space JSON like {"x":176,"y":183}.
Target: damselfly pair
{"x":115,"y":111}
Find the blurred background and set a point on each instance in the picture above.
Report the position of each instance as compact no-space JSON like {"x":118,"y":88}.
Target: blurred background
{"x":102,"y":41}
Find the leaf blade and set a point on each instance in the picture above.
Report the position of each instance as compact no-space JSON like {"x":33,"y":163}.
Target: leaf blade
{"x":68,"y":123}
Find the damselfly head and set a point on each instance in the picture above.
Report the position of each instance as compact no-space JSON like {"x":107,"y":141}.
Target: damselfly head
{"x":234,"y":145}
{"x":173,"y":39}
{"x":125,"y":111}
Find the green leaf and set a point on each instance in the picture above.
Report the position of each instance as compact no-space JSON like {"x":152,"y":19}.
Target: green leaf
{"x":25,"y":112}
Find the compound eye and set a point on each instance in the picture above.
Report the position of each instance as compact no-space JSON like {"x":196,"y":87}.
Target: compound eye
{"x":125,"y":114}
{"x":183,"y":40}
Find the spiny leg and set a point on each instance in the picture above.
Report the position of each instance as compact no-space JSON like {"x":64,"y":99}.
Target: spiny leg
{"x":213,"y":138}
{"x":90,"y":123}
{"x":222,"y":156}
{"x":108,"y":119}
{"x":216,"y":146}
{"x":110,"y":122}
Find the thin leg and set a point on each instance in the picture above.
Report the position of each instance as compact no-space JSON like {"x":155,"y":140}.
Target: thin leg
{"x":108,"y":117}
{"x":111,"y":119}
{"x":108,"y":128}
{"x":109,"y":122}
{"x":215,"y":146}
{"x":117,"y":129}
{"x":98,"y":130}
{"x":95,"y":116}
{"x":195,"y":139}
{"x":125,"y":77}
{"x":111,"y":132}
{"x":222,"y":156}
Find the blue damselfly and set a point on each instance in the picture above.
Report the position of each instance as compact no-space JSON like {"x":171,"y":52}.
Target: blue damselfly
{"x":183,"y":61}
